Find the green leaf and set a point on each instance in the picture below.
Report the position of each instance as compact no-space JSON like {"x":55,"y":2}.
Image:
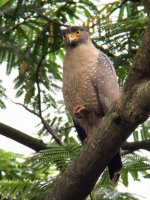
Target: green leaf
{"x":124,"y":177}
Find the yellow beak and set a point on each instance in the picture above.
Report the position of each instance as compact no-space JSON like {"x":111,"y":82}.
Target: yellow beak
{"x":71,"y":38}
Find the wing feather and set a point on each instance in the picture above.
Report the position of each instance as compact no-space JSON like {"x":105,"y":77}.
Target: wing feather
{"x":106,"y":82}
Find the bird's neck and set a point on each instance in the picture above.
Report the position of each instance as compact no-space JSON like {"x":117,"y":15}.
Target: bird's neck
{"x":75,"y":57}
{"x":81,"y":49}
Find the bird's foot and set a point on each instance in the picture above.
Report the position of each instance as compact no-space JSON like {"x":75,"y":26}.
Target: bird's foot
{"x":79,"y":111}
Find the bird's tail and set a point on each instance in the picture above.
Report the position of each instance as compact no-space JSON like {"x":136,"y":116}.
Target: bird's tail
{"x":114,"y":168}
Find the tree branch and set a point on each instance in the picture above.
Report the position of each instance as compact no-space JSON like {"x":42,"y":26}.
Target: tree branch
{"x":46,"y":126}
{"x":147,"y":6}
{"x":134,"y":146}
{"x":22,"y":138}
{"x":106,"y":51}
{"x":26,"y":108}
{"x":38,"y":83}
{"x":126,"y":114}
{"x":38,"y":145}
{"x":122,"y":3}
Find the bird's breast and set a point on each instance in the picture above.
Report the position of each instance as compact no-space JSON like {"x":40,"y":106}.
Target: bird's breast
{"x":78,"y":87}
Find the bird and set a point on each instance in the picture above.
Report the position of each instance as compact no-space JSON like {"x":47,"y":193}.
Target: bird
{"x":90,"y":86}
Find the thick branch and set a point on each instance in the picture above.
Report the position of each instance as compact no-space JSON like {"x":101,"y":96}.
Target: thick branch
{"x":131,"y":109}
{"x":147,"y":6}
{"x":134,"y":146}
{"x":22,"y":138}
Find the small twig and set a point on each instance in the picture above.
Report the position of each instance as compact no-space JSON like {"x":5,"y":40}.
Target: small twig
{"x":103,"y":49}
{"x":38,"y":83}
{"x":53,"y":21}
{"x":121,"y":4}
{"x":48,"y":128}
{"x":13,"y":28}
{"x":19,"y":24}
{"x":33,"y":19}
{"x":52,"y":132}
{"x":26,"y":108}
{"x":66,"y":128}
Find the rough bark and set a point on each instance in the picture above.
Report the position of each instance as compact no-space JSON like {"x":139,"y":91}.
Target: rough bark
{"x":22,"y":138}
{"x":126,"y":114}
{"x":147,"y":6}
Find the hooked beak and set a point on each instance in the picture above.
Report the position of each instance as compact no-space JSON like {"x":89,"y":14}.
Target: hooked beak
{"x":71,"y":38}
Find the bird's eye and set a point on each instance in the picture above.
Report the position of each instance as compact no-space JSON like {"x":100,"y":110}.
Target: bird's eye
{"x":78,"y":32}
{"x":64,"y":36}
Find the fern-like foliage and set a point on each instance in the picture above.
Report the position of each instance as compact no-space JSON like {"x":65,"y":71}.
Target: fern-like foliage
{"x":2,"y":96}
{"x":25,"y":189}
{"x":42,"y":166}
{"x":9,"y":165}
{"x":111,"y":194}
{"x":142,"y":133}
{"x":121,"y":34}
{"x":61,"y":156}
{"x":55,"y":159}
{"x":132,"y":164}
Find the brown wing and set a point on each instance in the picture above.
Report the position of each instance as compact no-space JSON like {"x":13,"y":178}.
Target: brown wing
{"x":108,"y":90}
{"x":106,"y":82}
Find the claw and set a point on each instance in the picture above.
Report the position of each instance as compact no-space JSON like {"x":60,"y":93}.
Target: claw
{"x":79,"y":111}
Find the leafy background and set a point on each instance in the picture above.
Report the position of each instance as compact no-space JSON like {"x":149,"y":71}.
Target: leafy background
{"x":32,"y":47}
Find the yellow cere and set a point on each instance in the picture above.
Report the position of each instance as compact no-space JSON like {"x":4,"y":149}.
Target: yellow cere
{"x":71,"y":36}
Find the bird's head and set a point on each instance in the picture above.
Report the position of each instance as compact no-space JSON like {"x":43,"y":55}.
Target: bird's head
{"x":74,"y":35}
